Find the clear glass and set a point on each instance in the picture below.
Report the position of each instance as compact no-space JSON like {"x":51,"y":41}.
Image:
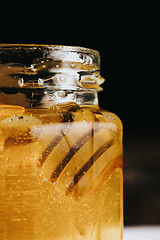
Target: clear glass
{"x":61,"y":172}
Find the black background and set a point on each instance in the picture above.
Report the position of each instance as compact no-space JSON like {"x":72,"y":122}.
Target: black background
{"x":126,"y":35}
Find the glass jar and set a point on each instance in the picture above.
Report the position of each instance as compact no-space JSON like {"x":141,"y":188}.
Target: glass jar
{"x":60,"y":154}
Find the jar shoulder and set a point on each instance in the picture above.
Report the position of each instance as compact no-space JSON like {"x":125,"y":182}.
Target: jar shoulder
{"x":103,"y":115}
{"x":111,"y":117}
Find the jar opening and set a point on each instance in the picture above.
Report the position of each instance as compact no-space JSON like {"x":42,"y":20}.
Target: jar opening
{"x":63,"y":53}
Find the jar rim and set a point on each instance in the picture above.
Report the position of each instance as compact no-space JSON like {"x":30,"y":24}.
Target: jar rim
{"x":65,"y":48}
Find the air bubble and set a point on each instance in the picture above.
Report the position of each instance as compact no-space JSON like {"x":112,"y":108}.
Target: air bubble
{"x":72,"y":65}
{"x":21,"y":82}
{"x":62,"y":78}
{"x":40,"y":81}
{"x":20,"y":117}
{"x":61,"y":93}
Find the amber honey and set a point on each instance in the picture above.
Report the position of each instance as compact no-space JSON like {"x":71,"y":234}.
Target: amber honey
{"x":61,"y":173}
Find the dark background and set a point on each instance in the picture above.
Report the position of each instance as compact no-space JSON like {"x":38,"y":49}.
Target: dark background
{"x":126,"y":35}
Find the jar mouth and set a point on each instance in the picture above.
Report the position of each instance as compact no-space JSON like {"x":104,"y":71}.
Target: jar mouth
{"x":64,"y":47}
{"x":52,"y":48}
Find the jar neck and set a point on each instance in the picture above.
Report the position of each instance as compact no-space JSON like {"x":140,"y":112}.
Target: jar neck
{"x":62,"y":96}
{"x":45,"y":99}
{"x":41,"y":76}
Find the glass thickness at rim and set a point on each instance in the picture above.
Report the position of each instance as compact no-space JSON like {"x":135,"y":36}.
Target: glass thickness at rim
{"x":56,"y":52}
{"x":76,"y":48}
{"x":50,"y":46}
